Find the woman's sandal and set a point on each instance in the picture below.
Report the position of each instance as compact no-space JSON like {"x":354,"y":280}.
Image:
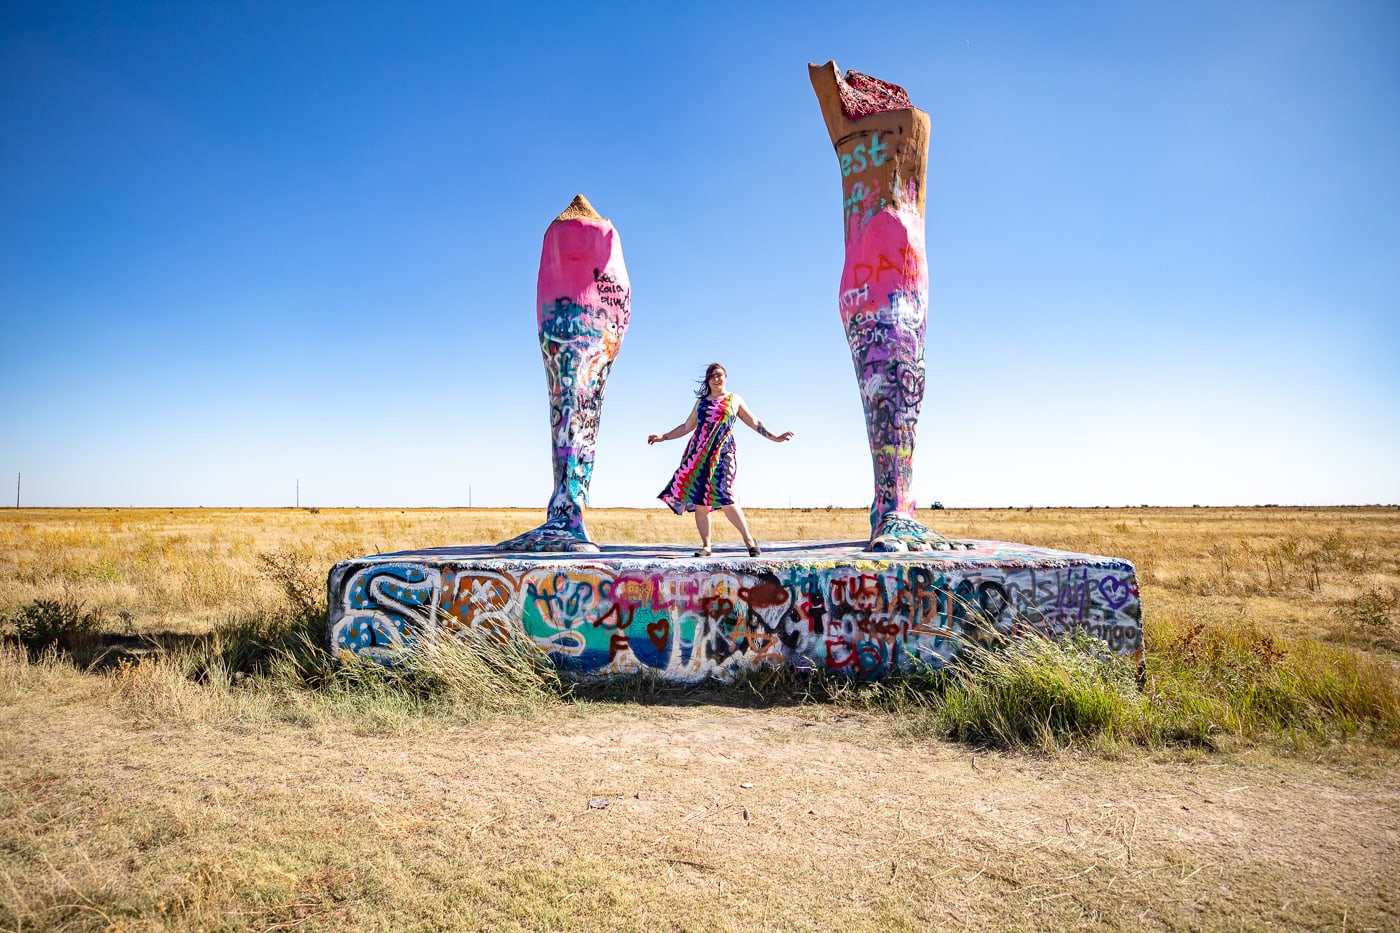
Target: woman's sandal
{"x":703,"y":552}
{"x":753,"y":550}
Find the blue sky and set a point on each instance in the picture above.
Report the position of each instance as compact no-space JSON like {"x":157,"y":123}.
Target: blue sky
{"x":246,"y":245}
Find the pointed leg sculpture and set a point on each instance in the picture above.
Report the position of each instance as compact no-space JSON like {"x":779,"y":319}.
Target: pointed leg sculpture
{"x":882,"y":143}
{"x":584,"y":303}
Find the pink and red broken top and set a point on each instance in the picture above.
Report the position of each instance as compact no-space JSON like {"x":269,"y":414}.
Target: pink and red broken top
{"x":862,"y":95}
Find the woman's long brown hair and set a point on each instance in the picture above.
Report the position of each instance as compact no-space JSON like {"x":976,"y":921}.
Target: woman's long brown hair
{"x":704,"y":390}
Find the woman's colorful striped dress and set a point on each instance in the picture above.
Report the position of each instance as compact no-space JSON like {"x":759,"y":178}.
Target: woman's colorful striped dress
{"x":706,"y":473}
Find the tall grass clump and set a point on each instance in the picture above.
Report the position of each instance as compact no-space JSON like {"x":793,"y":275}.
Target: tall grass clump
{"x":1203,"y":679}
{"x":281,"y":655}
{"x":482,"y":674}
{"x":283,"y":644}
{"x":22,"y":672}
{"x":1228,"y":674}
{"x":473,"y":671}
{"x":466,"y":676}
{"x":1034,"y":692}
{"x":280,"y":668}
{"x":156,"y":687}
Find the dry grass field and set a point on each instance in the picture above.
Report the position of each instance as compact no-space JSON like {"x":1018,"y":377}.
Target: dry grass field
{"x":147,"y":787}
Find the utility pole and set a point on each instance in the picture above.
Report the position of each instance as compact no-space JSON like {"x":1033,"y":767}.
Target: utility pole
{"x":18,"y":477}
{"x":298,"y":493}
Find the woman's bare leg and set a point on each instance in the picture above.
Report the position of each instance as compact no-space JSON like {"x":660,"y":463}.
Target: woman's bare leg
{"x":583,"y":306}
{"x":881,"y":140}
{"x":736,"y":518}
{"x":702,"y":524}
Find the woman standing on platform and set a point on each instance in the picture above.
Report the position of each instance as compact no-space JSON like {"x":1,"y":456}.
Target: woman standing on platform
{"x":705,"y":478}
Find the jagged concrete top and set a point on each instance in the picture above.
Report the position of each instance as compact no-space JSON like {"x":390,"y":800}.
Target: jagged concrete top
{"x":579,"y":209}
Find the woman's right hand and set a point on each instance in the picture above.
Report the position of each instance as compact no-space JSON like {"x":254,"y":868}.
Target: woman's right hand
{"x":654,"y":438}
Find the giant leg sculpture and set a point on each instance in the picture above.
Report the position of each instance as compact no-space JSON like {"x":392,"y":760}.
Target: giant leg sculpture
{"x":881,"y":140}
{"x":584,"y":302}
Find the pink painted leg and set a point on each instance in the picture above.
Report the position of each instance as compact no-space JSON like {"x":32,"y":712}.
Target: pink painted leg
{"x":881,"y":140}
{"x":584,"y":304}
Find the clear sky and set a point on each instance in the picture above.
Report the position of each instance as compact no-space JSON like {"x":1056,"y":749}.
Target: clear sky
{"x":244,"y":245}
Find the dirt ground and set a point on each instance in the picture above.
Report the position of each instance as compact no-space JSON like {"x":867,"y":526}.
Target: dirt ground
{"x":632,"y":816}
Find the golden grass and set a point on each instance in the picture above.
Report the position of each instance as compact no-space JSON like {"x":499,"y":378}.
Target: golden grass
{"x":1331,"y":574}
{"x":1251,"y":615}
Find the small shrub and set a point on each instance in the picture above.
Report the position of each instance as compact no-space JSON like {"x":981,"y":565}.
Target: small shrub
{"x":65,"y":625}
{"x":1372,"y":610}
{"x":303,"y":588}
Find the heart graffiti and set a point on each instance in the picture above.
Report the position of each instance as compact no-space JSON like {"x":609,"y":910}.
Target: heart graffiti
{"x":660,"y":633}
{"x":1115,"y":591}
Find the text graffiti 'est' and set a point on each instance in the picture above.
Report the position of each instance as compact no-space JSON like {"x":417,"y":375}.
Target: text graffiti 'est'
{"x":855,"y":160}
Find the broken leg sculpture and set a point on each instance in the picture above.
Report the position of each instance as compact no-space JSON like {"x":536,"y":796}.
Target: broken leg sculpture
{"x":881,"y":140}
{"x":584,"y":303}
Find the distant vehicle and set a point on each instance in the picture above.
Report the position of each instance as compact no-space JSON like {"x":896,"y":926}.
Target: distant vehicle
{"x":936,"y":505}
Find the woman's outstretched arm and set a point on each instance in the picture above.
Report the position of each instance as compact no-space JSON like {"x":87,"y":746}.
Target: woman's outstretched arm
{"x":680,"y":430}
{"x":748,"y":418}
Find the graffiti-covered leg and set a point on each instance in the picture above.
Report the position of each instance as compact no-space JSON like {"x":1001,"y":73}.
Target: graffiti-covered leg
{"x":881,"y":140}
{"x":583,"y":303}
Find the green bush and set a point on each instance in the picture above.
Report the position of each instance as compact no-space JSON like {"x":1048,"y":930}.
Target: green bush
{"x":63,"y":625}
{"x":1372,"y":610}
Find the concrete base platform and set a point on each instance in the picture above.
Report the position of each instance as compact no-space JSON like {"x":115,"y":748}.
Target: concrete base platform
{"x":809,"y":604}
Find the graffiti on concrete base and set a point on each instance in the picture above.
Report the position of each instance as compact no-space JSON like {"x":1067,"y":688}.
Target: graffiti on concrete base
{"x":684,"y":621}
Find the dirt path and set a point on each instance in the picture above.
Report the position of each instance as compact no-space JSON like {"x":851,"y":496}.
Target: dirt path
{"x":622,"y":816}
